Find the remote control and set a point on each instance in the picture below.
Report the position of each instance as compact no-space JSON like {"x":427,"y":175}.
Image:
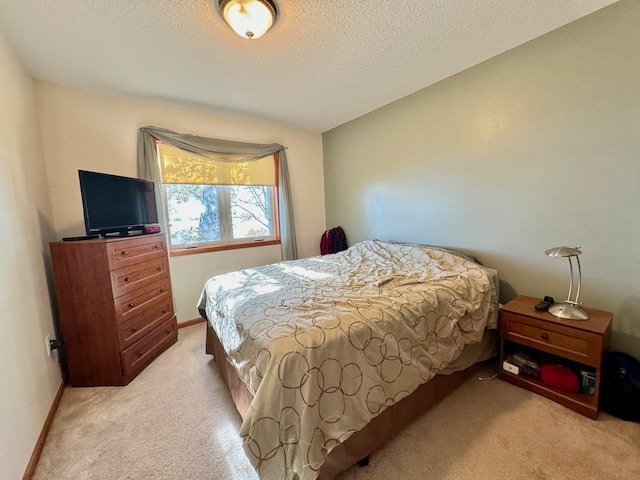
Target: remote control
{"x":544,"y":305}
{"x":84,"y":237}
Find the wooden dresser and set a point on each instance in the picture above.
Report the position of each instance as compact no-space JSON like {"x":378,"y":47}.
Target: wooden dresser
{"x":115,"y":306}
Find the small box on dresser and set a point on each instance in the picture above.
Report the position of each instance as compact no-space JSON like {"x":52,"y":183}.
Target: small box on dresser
{"x":577,"y":342}
{"x":115,"y":306}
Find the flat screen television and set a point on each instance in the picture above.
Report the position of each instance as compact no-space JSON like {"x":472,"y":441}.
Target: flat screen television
{"x":114,"y":204}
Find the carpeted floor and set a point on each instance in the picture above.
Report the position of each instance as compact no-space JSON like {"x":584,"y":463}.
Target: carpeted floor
{"x":176,"y":421}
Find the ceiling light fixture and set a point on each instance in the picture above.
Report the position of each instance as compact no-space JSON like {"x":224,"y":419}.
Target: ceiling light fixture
{"x":249,"y":18}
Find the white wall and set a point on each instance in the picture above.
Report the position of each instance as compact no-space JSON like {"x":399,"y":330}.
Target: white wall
{"x":99,"y":132}
{"x":30,"y":378}
{"x":535,"y":148}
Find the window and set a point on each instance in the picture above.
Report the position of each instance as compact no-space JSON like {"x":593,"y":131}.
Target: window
{"x":215,"y":205}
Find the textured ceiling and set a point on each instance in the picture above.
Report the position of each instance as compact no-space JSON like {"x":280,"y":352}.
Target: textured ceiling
{"x":322,"y":64}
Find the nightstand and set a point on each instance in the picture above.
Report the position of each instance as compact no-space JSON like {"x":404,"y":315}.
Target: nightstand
{"x":573,"y":342}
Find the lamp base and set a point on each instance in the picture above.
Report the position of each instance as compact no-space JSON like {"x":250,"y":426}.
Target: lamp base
{"x":566,"y":310}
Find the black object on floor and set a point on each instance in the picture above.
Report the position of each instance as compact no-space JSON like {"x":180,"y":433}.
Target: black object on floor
{"x":363,"y":462}
{"x":621,"y":386}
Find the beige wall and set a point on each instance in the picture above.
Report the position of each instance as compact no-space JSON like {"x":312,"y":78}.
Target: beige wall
{"x":99,"y":132}
{"x":30,"y":378}
{"x":535,"y":148}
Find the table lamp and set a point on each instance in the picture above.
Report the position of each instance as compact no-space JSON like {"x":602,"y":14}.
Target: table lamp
{"x":570,"y":309}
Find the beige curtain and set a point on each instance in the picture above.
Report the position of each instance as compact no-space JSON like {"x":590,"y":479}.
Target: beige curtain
{"x":225,"y":161}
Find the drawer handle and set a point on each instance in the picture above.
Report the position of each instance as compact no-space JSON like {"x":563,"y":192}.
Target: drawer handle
{"x":124,"y":253}
{"x":131,"y":305}
{"x":157,"y":247}
{"x":164,"y":311}
{"x":139,"y":354}
{"x":162,"y":290}
{"x":544,"y":336}
{"x":134,"y":330}
{"x":159,"y":269}
{"x":127,"y":279}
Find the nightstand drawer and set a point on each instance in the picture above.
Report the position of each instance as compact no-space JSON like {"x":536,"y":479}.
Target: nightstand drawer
{"x":566,"y":342}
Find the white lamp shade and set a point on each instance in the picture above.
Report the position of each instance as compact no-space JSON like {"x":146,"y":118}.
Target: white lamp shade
{"x":248,"y":18}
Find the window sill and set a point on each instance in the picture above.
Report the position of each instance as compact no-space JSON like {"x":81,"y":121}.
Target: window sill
{"x":179,"y":252}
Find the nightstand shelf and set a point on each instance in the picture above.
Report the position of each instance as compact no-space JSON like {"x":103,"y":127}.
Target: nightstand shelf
{"x":581,"y":403}
{"x":574,"y":342}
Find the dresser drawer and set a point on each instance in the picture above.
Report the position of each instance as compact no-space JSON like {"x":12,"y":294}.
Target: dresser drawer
{"x":131,"y":305}
{"x":122,"y":253}
{"x":141,"y":353}
{"x":137,"y":327}
{"x":127,"y":279}
{"x":566,"y":342}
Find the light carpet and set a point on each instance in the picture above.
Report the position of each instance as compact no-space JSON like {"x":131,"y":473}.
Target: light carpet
{"x":177,"y":421}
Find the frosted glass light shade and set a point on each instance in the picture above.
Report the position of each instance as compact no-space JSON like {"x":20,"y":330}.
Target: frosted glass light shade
{"x":249,"y":18}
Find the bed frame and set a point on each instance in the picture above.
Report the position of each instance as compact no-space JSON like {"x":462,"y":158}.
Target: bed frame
{"x":377,"y":432}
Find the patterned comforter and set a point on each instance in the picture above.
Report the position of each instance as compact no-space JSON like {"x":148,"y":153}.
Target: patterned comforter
{"x":326,"y":343}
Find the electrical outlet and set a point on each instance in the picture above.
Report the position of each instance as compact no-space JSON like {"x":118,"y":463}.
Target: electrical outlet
{"x":47,"y":340}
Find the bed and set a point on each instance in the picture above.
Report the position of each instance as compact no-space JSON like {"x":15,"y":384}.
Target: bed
{"x":328,"y":357}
